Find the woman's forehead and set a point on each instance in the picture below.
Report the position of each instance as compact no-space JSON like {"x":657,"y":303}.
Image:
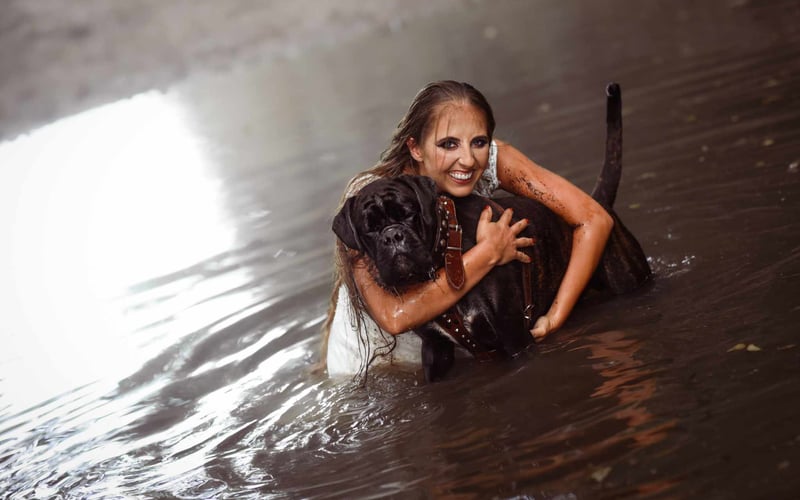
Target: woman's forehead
{"x":455,"y":118}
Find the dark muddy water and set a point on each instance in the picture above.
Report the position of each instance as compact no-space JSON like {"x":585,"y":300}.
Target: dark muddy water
{"x":167,"y":268}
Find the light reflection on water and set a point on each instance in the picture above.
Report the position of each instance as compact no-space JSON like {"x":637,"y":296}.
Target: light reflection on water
{"x":95,"y":203}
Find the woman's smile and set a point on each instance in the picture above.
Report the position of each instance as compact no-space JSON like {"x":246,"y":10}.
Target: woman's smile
{"x":461,"y":176}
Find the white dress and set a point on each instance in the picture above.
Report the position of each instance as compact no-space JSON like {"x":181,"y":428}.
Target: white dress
{"x":348,"y":351}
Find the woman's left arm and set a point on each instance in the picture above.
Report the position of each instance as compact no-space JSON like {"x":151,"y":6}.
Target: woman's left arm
{"x":591,"y":225}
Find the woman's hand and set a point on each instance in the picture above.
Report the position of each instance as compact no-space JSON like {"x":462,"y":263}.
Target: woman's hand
{"x":541,"y":328}
{"x":501,"y":236}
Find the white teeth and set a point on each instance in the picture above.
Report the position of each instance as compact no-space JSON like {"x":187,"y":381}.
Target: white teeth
{"x":461,"y":176}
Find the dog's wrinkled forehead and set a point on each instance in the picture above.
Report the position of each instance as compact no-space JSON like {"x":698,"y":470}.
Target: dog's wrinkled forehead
{"x":386,"y":203}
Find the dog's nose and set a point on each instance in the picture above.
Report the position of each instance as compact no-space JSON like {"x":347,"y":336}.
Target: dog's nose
{"x":392,"y":235}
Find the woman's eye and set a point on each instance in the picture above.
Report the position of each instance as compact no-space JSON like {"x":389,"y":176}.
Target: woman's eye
{"x":448,"y":144}
{"x":480,"y":142}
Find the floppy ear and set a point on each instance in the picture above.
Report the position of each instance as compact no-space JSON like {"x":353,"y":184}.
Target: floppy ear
{"x":344,"y":228}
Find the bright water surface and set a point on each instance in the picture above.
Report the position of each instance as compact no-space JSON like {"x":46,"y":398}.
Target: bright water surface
{"x":168,"y":257}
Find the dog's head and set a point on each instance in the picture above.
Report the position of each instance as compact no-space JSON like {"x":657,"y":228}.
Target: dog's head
{"x":394,"y":222}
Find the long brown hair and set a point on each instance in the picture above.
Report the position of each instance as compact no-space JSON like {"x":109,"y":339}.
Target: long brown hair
{"x":395,"y":160}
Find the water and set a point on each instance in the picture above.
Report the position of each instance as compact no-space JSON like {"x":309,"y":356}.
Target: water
{"x":169,"y":256}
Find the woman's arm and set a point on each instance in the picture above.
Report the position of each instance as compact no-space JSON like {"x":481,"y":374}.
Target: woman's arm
{"x":591,"y":225}
{"x":497,"y":244}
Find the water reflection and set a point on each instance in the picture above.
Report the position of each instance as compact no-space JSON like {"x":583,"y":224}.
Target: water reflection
{"x":630,"y":381}
{"x":92,"y":204}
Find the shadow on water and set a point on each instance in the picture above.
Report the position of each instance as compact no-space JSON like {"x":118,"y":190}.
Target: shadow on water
{"x":171,"y":258}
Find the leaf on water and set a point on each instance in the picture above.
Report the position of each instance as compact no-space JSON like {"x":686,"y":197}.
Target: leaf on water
{"x":753,"y":348}
{"x":737,"y":347}
{"x":787,"y":346}
{"x":634,"y":206}
{"x":600,"y":474}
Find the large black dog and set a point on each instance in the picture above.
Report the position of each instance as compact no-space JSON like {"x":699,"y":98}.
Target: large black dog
{"x":409,"y":230}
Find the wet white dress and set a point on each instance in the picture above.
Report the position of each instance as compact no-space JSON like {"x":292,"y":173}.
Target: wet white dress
{"x":348,"y":351}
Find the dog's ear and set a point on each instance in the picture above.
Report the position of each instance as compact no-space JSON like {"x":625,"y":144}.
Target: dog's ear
{"x":343,"y":225}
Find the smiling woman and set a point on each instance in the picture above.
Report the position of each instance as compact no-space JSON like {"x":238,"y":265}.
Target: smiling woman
{"x":446,"y":135}
{"x":92,"y":204}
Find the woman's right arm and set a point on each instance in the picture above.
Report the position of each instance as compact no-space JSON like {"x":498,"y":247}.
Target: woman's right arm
{"x":497,"y":244}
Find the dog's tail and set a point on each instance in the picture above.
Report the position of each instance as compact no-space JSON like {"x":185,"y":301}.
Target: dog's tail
{"x":605,"y":190}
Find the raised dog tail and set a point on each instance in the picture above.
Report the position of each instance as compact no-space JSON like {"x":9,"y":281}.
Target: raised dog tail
{"x":605,"y":190}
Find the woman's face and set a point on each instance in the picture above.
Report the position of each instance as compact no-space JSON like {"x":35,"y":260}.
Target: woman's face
{"x":454,"y":150}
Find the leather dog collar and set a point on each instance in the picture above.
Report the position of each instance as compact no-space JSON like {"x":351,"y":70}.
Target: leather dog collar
{"x":451,"y":241}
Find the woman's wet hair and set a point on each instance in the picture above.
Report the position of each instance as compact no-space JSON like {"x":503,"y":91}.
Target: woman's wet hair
{"x":419,"y":117}
{"x":394,"y":161}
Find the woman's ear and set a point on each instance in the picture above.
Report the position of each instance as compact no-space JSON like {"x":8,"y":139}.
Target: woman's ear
{"x":413,"y":148}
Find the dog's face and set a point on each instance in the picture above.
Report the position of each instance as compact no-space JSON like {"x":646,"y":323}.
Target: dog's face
{"x":394,"y":222}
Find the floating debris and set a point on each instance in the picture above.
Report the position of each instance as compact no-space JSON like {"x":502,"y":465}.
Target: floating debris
{"x":634,"y":206}
{"x":745,"y":347}
{"x":600,"y":474}
{"x":768,"y":142}
{"x":793,"y":167}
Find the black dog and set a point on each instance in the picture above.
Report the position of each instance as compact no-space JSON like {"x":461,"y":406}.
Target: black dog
{"x":409,"y":231}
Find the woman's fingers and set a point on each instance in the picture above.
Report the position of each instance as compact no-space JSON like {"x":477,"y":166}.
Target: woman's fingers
{"x":505,"y":219}
{"x":523,"y":257}
{"x":541,"y":328}
{"x":486,"y":214}
{"x":524,"y":242}
{"x":518,"y":226}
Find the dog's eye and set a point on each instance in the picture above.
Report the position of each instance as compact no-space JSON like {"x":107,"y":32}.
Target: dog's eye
{"x":398,"y":212}
{"x":373,"y":222}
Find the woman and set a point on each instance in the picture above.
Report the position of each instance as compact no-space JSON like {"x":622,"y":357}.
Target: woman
{"x":447,"y":135}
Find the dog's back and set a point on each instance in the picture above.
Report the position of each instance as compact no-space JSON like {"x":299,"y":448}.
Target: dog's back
{"x":494,"y":310}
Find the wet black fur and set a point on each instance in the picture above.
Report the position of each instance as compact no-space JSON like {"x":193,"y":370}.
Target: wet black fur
{"x":394,"y":221}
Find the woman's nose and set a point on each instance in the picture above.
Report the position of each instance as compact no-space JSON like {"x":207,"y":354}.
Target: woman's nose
{"x":467,"y":159}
